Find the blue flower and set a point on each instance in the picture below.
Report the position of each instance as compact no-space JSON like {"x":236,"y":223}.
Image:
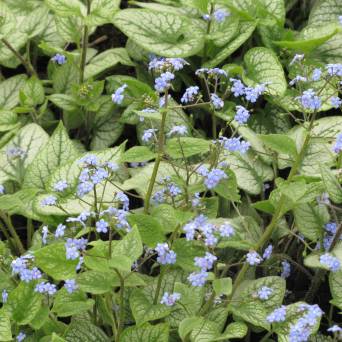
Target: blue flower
{"x":21,"y":336}
{"x":148,"y":134}
{"x":170,"y":299}
{"x":286,"y":270}
{"x":59,"y":59}
{"x":45,"y":232}
{"x":331,"y":227}
{"x":216,"y":101}
{"x":220,"y":15}
{"x":242,"y":115}
{"x":334,"y":69}
{"x":234,"y":144}
{"x":118,"y":96}
{"x":102,"y":226}
{"x":165,"y":256}
{"x":4,"y":296}
{"x":48,"y":201}
{"x":205,"y":263}
{"x":46,"y":287}
{"x":70,"y":285}
{"x":15,"y":153}
{"x":265,"y":292}
{"x":84,"y":188}
{"x":331,"y":262}
{"x":2,"y":189}
{"x":267,"y":252}
{"x":335,"y":101}
{"x":226,"y":230}
{"x":122,"y":197}
{"x":316,"y":74}
{"x":198,"y":278}
{"x":310,"y":100}
{"x":297,"y":79}
{"x":179,"y":130}
{"x":89,"y":160}
{"x":190,"y":94}
{"x":214,"y":177}
{"x":278,"y":315}
{"x":337,"y":148}
{"x":60,"y":185}
{"x":297,"y":58}
{"x":60,"y":231}
{"x":238,"y":88}
{"x":162,"y":83}
{"x":335,"y":328}
{"x":253,"y":258}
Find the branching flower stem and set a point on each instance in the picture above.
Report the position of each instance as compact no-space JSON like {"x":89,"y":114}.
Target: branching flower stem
{"x":84,"y":45}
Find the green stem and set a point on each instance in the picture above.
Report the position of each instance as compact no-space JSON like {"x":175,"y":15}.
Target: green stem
{"x":12,"y":231}
{"x":121,"y":308}
{"x":279,"y":210}
{"x":84,"y":46}
{"x":161,"y":275}
{"x":161,"y":140}
{"x":23,"y":61}
{"x":29,"y":233}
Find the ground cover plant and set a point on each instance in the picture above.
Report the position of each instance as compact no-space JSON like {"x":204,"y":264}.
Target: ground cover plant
{"x":170,"y":170}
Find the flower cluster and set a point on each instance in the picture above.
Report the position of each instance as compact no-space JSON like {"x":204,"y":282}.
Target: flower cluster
{"x":242,"y":115}
{"x":211,"y":177}
{"x":190,"y":94}
{"x":234,"y":144}
{"x":70,"y":285}
{"x":59,"y":59}
{"x":337,"y":148}
{"x":74,"y":246}
{"x":278,"y":315}
{"x":165,"y":255}
{"x":265,"y":292}
{"x":20,"y":266}
{"x":46,"y":287}
{"x":253,"y":258}
{"x":251,"y":94}
{"x":331,"y":262}
{"x":286,"y":269}
{"x":169,"y":189}
{"x":170,"y":299}
{"x":117,"y":96}
{"x":302,"y":329}
{"x":309,"y":100}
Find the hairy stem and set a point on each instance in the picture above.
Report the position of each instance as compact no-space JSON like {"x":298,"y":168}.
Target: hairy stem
{"x":23,"y":61}
{"x":161,"y":275}
{"x":84,"y":46}
{"x":161,"y":141}
{"x":121,"y":308}
{"x":11,"y":229}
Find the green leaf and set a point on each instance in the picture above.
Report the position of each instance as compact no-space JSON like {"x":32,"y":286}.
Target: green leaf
{"x":185,"y":147}
{"x":250,"y":171}
{"x":56,"y":338}
{"x":144,"y":310}
{"x":52,"y":260}
{"x":245,"y":30}
{"x":102,"y":12}
{"x":32,"y":94}
{"x":41,"y":317}
{"x":223,"y":286}
{"x":5,"y":327}
{"x":24,"y":303}
{"x":150,"y":229}
{"x":222,"y":33}
{"x":106,"y":60}
{"x":280,"y":143}
{"x":31,"y":138}
{"x":246,"y":233}
{"x":67,"y":8}
{"x":165,"y":34}
{"x":55,"y":153}
{"x":204,"y":331}
{"x":35,"y":22}
{"x":335,"y":283}
{"x":234,"y":330}
{"x":8,"y":120}
{"x":186,"y":252}
{"x":8,"y":22}
{"x":227,"y":188}
{"x":130,"y":246}
{"x":85,"y":331}
{"x":138,"y":154}
{"x":310,"y":219}
{"x":325,"y":12}
{"x":146,"y":333}
{"x":66,"y":102}
{"x":96,"y":282}
{"x":67,"y":304}
{"x":332,"y":186}
{"x":263,"y":66}
{"x":9,"y":91}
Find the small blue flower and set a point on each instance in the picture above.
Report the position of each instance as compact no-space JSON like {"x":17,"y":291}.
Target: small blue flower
{"x":60,"y":231}
{"x":334,"y":69}
{"x":331,"y":227}
{"x":170,"y":299}
{"x":216,"y":101}
{"x":45,"y":232}
{"x":340,"y":19}
{"x":214,"y":177}
{"x":89,"y":160}
{"x":179,"y":130}
{"x":21,"y":336}
{"x":48,"y":201}
{"x":253,"y":258}
{"x":310,"y":100}
{"x":2,"y":189}
{"x":316,"y":74}
{"x":60,"y":185}
{"x":46,"y":287}
{"x":205,"y":263}
{"x":267,"y":252}
{"x":278,"y":315}
{"x":337,"y":148}
{"x":265,"y":292}
{"x":102,"y":226}
{"x":286,"y":269}
{"x":220,"y":15}
{"x":335,"y":328}
{"x":297,"y":79}
{"x":226,"y":230}
{"x":198,"y":278}
{"x":122,"y":197}
{"x":206,"y":17}
{"x":165,"y":256}
{"x":190,"y":94}
{"x":15,"y":153}
{"x":148,"y":134}
{"x":242,"y":115}
{"x":238,"y":88}
{"x":335,"y":101}
{"x":84,"y":188}
{"x":331,"y":262}
{"x":4,"y":296}
{"x":162,"y":83}
{"x":297,"y":58}
{"x":59,"y":59}
{"x":118,"y":96}
{"x":70,"y":285}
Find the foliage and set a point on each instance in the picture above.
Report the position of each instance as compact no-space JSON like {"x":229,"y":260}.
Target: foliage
{"x":170,"y":170}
